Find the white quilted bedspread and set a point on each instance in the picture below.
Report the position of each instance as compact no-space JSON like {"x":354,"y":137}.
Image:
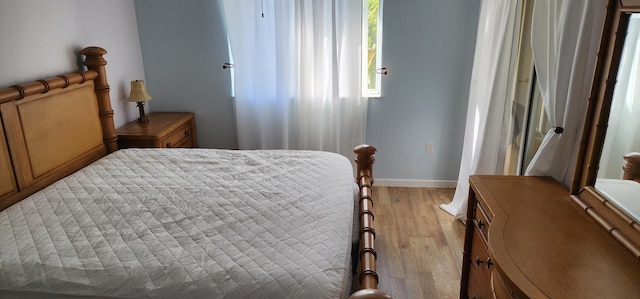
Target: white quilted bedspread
{"x":185,"y":223}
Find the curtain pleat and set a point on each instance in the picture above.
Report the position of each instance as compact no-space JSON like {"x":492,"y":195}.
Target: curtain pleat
{"x":487,"y":98}
{"x":565,"y":39}
{"x":298,"y":73}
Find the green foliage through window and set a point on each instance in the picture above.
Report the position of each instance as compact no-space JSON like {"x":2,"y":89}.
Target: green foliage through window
{"x":374,"y":36}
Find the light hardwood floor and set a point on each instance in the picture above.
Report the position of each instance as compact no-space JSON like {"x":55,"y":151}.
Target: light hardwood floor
{"x":419,"y":245}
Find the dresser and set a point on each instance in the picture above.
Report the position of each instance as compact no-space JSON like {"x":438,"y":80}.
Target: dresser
{"x":526,"y":238}
{"x":164,"y":130}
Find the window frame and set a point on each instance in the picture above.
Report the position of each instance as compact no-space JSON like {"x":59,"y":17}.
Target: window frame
{"x":376,"y":91}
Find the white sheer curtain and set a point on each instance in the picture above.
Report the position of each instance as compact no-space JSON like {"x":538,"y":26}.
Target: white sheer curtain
{"x":487,"y":97}
{"x":624,"y":120}
{"x":298,"y":73}
{"x":565,"y":39}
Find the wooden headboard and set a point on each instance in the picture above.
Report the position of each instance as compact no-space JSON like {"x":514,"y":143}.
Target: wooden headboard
{"x":51,"y":128}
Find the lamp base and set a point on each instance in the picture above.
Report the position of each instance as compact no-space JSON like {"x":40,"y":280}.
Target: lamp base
{"x":143,"y":119}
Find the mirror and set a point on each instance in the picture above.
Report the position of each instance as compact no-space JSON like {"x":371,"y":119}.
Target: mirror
{"x":598,"y":186}
{"x":623,"y":135}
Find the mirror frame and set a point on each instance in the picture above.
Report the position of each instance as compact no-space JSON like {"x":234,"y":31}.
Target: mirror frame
{"x":613,"y":219}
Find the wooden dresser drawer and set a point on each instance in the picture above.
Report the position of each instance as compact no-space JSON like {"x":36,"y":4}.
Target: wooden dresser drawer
{"x":481,"y":263}
{"x":482,"y":221}
{"x":180,"y":137}
{"x":476,"y":289}
{"x":502,"y":287}
{"x":498,"y":288}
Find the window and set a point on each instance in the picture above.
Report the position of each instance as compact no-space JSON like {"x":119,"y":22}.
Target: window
{"x":229,"y":66}
{"x":372,"y":33}
{"x":371,"y":36}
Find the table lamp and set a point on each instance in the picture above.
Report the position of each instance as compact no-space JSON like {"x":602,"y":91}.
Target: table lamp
{"x":139,"y":94}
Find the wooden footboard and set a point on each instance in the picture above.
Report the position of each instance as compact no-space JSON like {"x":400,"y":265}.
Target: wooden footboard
{"x":367,"y":277}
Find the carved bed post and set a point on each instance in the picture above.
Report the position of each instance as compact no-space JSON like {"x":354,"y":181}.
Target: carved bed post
{"x":367,"y":276}
{"x":95,"y":61}
{"x":632,"y":168}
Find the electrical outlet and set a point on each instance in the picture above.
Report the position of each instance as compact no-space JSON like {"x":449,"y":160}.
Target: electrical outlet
{"x":429,"y":148}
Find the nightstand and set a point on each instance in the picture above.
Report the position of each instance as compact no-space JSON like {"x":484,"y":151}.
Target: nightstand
{"x":164,"y":129}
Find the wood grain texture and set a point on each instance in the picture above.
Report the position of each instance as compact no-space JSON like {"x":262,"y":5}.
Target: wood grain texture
{"x":585,"y":195}
{"x":7,"y":178}
{"x":419,"y":245}
{"x":94,"y":60}
{"x":59,"y":126}
{"x":164,"y":130}
{"x":599,"y":104}
{"x":50,"y":130}
{"x":611,"y":218}
{"x":632,"y":167}
{"x":367,"y":278}
{"x":56,"y":126}
{"x":546,"y":247}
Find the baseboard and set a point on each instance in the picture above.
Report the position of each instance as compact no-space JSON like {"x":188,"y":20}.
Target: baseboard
{"x":415,"y":183}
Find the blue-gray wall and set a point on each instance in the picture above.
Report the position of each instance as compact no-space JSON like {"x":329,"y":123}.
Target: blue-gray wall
{"x":41,"y":39}
{"x":428,"y":48}
{"x":184,"y":46}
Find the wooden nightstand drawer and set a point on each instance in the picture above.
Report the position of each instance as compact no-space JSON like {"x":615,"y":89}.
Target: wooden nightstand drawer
{"x":164,"y":129}
{"x":180,"y":137}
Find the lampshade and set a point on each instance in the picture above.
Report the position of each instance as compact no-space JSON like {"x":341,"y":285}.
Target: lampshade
{"x":139,"y":92}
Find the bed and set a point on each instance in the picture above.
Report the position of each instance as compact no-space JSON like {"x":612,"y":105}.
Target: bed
{"x":80,"y":218}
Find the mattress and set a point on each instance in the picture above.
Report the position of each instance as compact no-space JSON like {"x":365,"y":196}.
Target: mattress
{"x":185,"y":223}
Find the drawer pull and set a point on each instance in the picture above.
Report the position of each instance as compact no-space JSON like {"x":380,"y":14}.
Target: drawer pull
{"x":480,"y":224}
{"x":489,"y":263}
{"x":478,"y":261}
{"x":187,"y":132}
{"x":169,"y":144}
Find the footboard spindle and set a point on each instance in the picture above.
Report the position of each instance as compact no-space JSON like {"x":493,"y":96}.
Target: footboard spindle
{"x":367,"y":277}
